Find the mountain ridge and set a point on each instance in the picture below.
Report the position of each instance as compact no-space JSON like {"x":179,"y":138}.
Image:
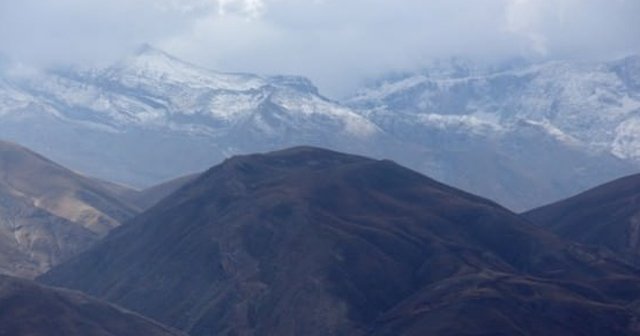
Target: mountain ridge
{"x":605,"y":216}
{"x":311,"y":241}
{"x":152,"y":117}
{"x":556,"y":92}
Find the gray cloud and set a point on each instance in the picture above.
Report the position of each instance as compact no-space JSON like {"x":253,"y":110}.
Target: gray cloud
{"x":337,"y":43}
{"x":48,"y":32}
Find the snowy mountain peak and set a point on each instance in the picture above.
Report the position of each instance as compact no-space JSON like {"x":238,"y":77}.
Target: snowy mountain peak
{"x":153,"y":91}
{"x":153,"y":66}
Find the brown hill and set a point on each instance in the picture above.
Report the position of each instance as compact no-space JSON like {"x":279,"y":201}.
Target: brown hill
{"x":503,"y":304}
{"x":607,"y":216}
{"x":312,"y":242}
{"x":48,"y":213}
{"x":30,"y":309}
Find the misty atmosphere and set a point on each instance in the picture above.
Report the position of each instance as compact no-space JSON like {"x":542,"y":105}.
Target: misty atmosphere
{"x":319,"y":167}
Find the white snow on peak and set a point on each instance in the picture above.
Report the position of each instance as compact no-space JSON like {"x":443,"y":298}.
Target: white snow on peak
{"x":154,"y":65}
{"x":386,"y":89}
{"x":153,"y":90}
{"x":469,"y":123}
{"x":626,"y":144}
{"x":546,"y":126}
{"x":309,"y":105}
{"x":12,"y":99}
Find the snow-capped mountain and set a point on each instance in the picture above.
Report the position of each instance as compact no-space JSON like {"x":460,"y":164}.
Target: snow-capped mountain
{"x":596,"y":105}
{"x":154,"y":116}
{"x":154,"y":90}
{"x":151,"y":117}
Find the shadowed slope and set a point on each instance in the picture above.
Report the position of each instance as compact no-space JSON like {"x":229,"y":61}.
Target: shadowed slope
{"x":30,"y":309}
{"x":607,"y":216}
{"x":488,"y":303}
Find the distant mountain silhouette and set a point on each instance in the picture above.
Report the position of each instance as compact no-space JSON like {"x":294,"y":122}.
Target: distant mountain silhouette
{"x":30,"y":309}
{"x":308,"y":241}
{"x":606,"y":216}
{"x":148,"y":197}
{"x":48,"y":213}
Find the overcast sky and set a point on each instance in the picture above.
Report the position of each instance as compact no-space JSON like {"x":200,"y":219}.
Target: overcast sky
{"x":337,"y":43}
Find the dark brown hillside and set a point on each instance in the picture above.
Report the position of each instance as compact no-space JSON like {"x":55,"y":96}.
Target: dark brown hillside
{"x":488,"y":303}
{"x":28,"y":309}
{"x":607,"y":216}
{"x":307,"y":241}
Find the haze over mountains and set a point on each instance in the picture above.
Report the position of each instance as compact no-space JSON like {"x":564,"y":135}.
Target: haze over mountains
{"x":522,"y":136}
{"x":154,"y":117}
{"x":314,"y":242}
{"x":548,"y":126}
{"x":338,"y":168}
{"x":596,"y":105}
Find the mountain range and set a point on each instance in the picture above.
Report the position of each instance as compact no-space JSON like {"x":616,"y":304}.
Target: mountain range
{"x":523,"y":136}
{"x":152,"y":117}
{"x":592,"y":104}
{"x":315,"y":242}
{"x":549,"y":129}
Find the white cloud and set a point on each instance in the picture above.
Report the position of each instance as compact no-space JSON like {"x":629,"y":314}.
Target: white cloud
{"x":252,"y":9}
{"x":522,"y":17}
{"x":335,"y":42}
{"x":59,"y":31}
